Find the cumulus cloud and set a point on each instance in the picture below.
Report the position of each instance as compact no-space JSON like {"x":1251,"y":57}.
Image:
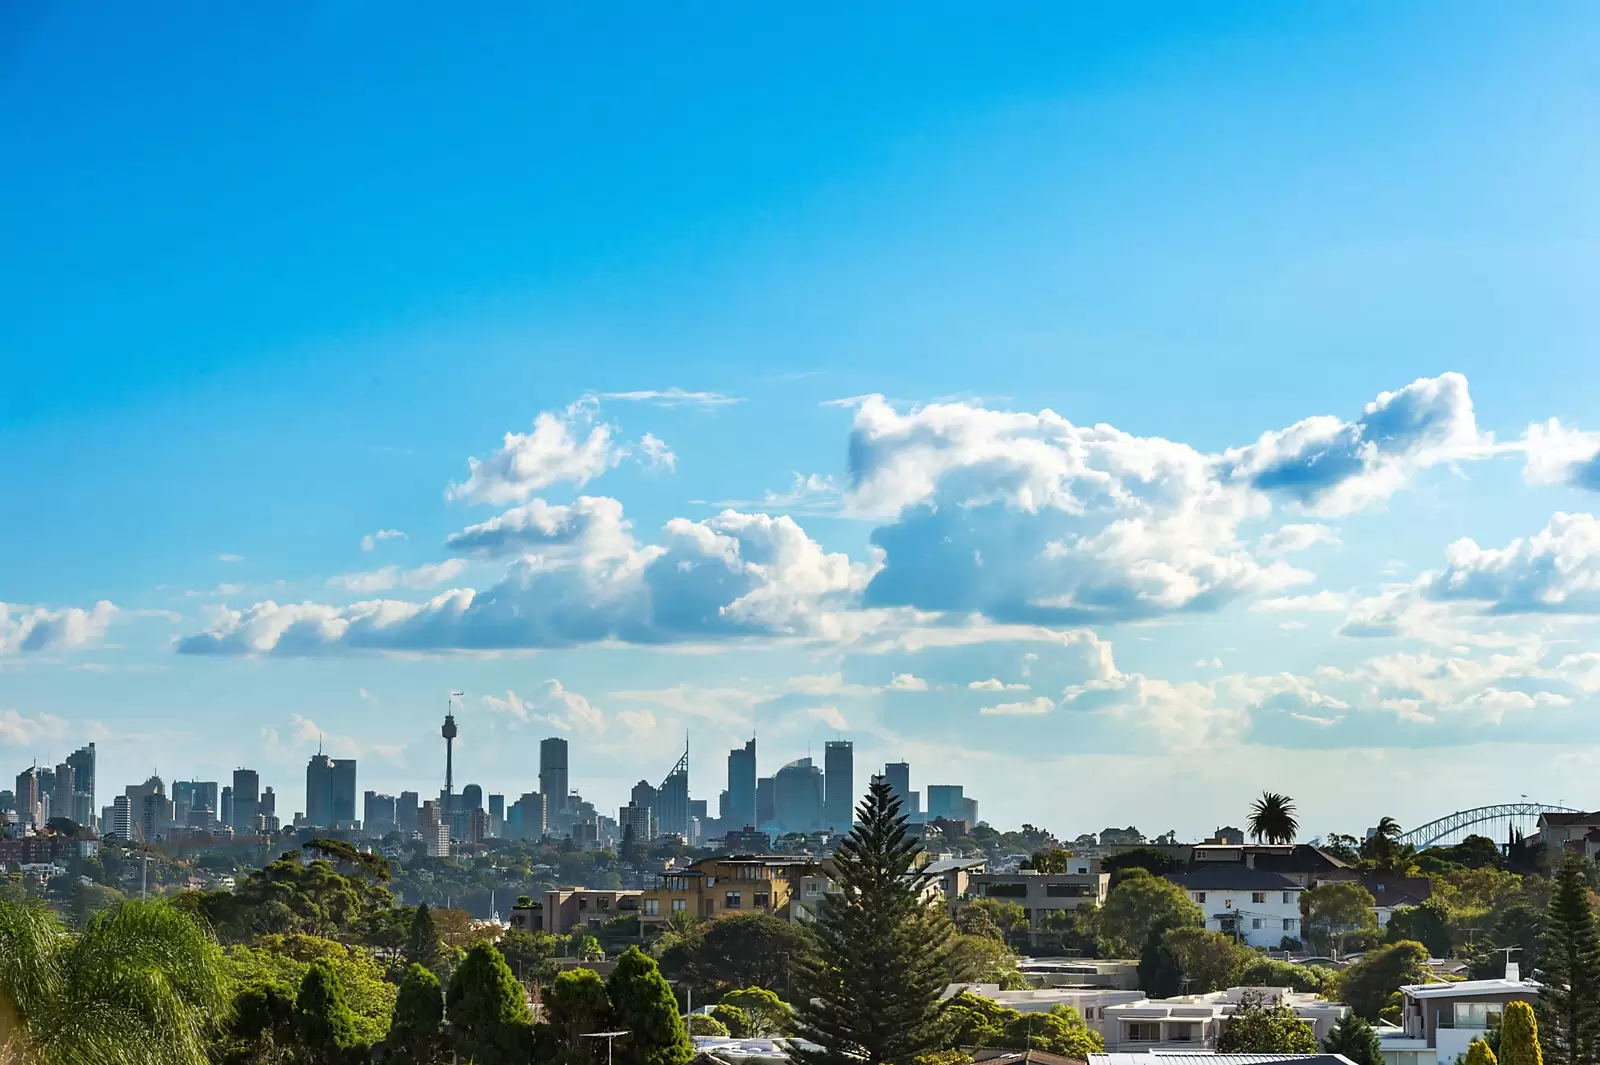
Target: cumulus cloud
{"x":1560,"y":455}
{"x":553,"y":704}
{"x":380,"y":580}
{"x":372,"y":540}
{"x":1029,"y":518}
{"x":995,"y":684}
{"x":558,"y":450}
{"x":1032,"y":708}
{"x":22,"y":731}
{"x":1554,"y":571}
{"x":1287,"y":539}
{"x":906,"y":682}
{"x":657,"y":456}
{"x":594,"y":523}
{"x":727,"y":576}
{"x":830,"y":716}
{"x":1331,"y":466}
{"x":39,"y":628}
{"x":1317,"y":602}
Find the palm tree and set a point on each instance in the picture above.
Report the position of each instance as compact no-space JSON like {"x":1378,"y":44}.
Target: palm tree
{"x":141,"y":984}
{"x":1272,"y":819}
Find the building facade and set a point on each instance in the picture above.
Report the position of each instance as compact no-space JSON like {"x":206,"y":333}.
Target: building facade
{"x":785,"y":886}
{"x":839,"y":785}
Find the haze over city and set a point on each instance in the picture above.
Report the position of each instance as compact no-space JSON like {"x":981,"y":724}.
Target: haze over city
{"x":1114,"y":416}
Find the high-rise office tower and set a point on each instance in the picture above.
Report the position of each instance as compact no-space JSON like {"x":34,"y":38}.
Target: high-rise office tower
{"x":225,"y":806}
{"x":472,"y":797}
{"x":765,"y":803}
{"x":122,"y":817}
{"x":672,"y":798}
{"x":405,"y":813}
{"x":377,"y":814}
{"x":637,"y":823}
{"x":330,"y":792}
{"x":82,"y":763}
{"x":797,"y":791}
{"x":945,"y":800}
{"x":269,"y":803}
{"x":191,"y":795}
{"x":29,"y":796}
{"x":61,"y":794}
{"x":898,"y":777}
{"x":643,"y":795}
{"x":497,"y":815}
{"x":969,"y":811}
{"x":526,"y":818}
{"x":741,"y":810}
{"x":553,"y":776}
{"x":839,"y":784}
{"x":246,"y":800}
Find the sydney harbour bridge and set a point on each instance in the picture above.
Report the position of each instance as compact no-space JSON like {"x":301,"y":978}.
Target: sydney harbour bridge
{"x":1496,"y":822}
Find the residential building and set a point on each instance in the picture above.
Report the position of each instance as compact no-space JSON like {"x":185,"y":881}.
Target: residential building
{"x":1090,"y":1003}
{"x":637,"y":823}
{"x":266,"y":819}
{"x":1193,"y":1022}
{"x":1389,"y":893}
{"x":741,"y":808}
{"x":1438,"y":1021}
{"x":330,"y":792}
{"x":122,"y":817}
{"x":1039,"y":893}
{"x":797,"y":795}
{"x":838,"y":785}
{"x":738,"y":883}
{"x":1256,"y":907}
{"x":553,"y":779}
{"x":1207,"y":1057}
{"x":434,"y":830}
{"x":1576,"y":832}
{"x":560,"y":911}
{"x":951,"y":877}
{"x":748,"y":841}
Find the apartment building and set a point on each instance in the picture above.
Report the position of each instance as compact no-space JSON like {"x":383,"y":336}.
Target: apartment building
{"x":1193,"y":1022}
{"x":560,"y":911}
{"x":1256,"y":907}
{"x":1039,"y":893}
{"x":787,"y":886}
{"x":1438,"y":1021}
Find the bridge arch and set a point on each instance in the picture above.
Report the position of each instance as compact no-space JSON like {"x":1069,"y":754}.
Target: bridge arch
{"x":1441,"y":829}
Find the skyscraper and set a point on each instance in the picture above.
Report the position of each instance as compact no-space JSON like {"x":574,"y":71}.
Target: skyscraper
{"x":225,"y":806}
{"x":526,"y":819}
{"x":405,"y":813}
{"x":741,"y":810}
{"x":330,"y":792}
{"x":82,"y":763}
{"x":672,"y":798}
{"x":497,"y":815}
{"x":471,"y":798}
{"x":553,"y":776}
{"x":246,"y":800}
{"x":898,"y":777}
{"x":797,"y":791}
{"x":377,"y":814}
{"x":839,"y":796}
{"x":61,"y":794}
{"x":765,"y":802}
{"x":29,"y":797}
{"x":969,"y":811}
{"x":945,"y":800}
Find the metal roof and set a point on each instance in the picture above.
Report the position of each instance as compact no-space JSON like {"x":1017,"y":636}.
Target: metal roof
{"x":1469,"y":988}
{"x":1232,"y":877}
{"x":1200,"y":1057}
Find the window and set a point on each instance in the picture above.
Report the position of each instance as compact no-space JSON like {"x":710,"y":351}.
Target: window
{"x":763,"y":899}
{"x":605,"y":904}
{"x":1478,"y":1014}
{"x":813,"y":889}
{"x":1256,"y":923}
{"x":1144,"y":1032}
{"x":1066,"y":891}
{"x":583,"y":903}
{"x":1258,"y":897}
{"x":679,"y":905}
{"x":652,"y":907}
{"x":1200,"y":896}
{"x":1288,"y":897}
{"x":1183,"y":1033}
{"x":1006,"y":891}
{"x":1289,"y":923}
{"x":731,"y":901}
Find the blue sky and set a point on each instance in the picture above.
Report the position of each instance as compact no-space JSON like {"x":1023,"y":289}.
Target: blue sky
{"x":1206,"y":346}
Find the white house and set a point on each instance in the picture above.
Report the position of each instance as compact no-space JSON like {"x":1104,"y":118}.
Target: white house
{"x":1438,"y":1021}
{"x":1258,"y":907}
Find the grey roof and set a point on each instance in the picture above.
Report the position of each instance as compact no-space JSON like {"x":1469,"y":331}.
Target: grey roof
{"x":1224,"y":876}
{"x":1193,"y":1057}
{"x":946,"y":865}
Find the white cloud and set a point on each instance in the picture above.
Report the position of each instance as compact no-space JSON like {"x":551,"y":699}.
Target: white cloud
{"x":553,"y":704}
{"x":225,"y":557}
{"x":1323,"y":602}
{"x":1287,"y":539}
{"x":305,"y":737}
{"x":671,"y":397}
{"x":1032,"y":708}
{"x":1213,"y":662}
{"x":657,"y":456}
{"x":594,"y":524}
{"x":372,"y":540}
{"x":21,"y":731}
{"x":557,"y":451}
{"x":1330,"y":466}
{"x":1559,"y":455}
{"x":830,"y":716}
{"x":995,"y":684}
{"x":379,"y":580}
{"x":38,"y":628}
{"x":1556,"y":570}
{"x":906,"y":682}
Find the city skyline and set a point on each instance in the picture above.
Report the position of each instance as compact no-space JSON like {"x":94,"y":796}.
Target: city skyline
{"x":1058,"y":396}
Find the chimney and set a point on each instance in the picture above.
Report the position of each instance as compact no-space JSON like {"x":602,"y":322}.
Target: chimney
{"x":1513,"y":970}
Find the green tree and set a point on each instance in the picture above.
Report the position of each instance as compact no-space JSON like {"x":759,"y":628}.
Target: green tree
{"x":1569,"y":997}
{"x":1262,"y":1027}
{"x":874,"y":989}
{"x":765,"y":1013}
{"x":703,"y":1024}
{"x":531,"y":955}
{"x":1368,"y":985}
{"x":1009,"y":917}
{"x":1061,"y":1032}
{"x":1054,"y":860}
{"x":1143,"y":902}
{"x":490,"y":1023}
{"x":423,"y":946}
{"x":282,"y":961}
{"x":975,"y":921}
{"x":647,"y":1010}
{"x":968,"y":1020}
{"x":1356,"y":1040}
{"x":324,"y":1027}
{"x":1428,"y":924}
{"x":1270,"y":972}
{"x":141,"y":985}
{"x":1519,"y":1036}
{"x":1330,"y":912}
{"x":1478,"y":1053}
{"x":1272,"y":819}
{"x":1160,"y":975}
{"x":746,"y":950}
{"x":261,"y":1028}
{"x":731,"y":1018}
{"x":577,"y":1003}
{"x":1208,"y":961}
{"x":416,"y":1032}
